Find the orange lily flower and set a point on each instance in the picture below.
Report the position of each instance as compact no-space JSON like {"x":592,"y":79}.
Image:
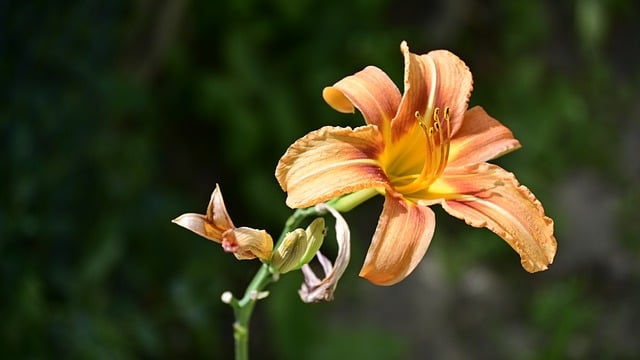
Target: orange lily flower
{"x":417,"y":149}
{"x":216,"y":225}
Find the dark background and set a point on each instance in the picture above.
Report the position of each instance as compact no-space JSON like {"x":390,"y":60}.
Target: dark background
{"x":117,"y":116}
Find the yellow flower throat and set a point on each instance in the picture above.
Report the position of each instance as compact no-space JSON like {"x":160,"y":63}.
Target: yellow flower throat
{"x":437,"y":134}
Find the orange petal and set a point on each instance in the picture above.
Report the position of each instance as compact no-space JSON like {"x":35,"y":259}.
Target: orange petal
{"x":370,"y":91}
{"x":199,"y":225}
{"x":493,"y":198}
{"x":247,"y":243}
{"x":479,"y":139}
{"x":438,"y":79}
{"x":217,"y":212}
{"x":418,"y":77}
{"x":454,"y":85}
{"x":329,"y":162}
{"x":213,"y":224}
{"x":401,"y":240}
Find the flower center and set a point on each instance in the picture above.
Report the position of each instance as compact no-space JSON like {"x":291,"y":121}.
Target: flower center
{"x":437,"y":132}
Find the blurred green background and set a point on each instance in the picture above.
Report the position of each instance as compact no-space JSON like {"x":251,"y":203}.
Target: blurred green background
{"x":117,"y":116}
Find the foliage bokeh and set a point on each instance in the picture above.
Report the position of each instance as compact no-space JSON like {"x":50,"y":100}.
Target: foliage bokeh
{"x":118,"y":116}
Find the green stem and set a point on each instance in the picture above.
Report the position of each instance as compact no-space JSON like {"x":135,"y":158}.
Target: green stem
{"x":348,"y":202}
{"x":243,"y":308}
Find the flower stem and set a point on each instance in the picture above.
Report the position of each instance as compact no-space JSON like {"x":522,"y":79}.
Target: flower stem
{"x":243,"y":308}
{"x":348,"y":202}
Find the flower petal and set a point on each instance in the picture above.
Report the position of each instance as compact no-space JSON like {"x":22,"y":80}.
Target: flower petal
{"x":401,"y":240}
{"x":313,"y":289}
{"x":418,"y":80}
{"x":438,"y":79}
{"x":479,"y":139}
{"x":370,"y":91}
{"x":199,"y":225}
{"x":247,"y":243}
{"x":491,"y":197}
{"x":454,"y":85}
{"x":213,"y":224}
{"x":217,"y":211}
{"x":329,"y":162}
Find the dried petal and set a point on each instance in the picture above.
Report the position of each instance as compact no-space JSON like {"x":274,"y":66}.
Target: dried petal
{"x":216,"y":225}
{"x":247,"y":243}
{"x":314,"y":289}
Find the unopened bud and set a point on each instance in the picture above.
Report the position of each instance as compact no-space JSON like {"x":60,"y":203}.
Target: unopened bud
{"x":226,"y":297}
{"x":288,"y":254}
{"x":315,"y":236}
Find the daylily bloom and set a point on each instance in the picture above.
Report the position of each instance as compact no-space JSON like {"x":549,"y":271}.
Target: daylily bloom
{"x":216,"y":225}
{"x":417,"y":149}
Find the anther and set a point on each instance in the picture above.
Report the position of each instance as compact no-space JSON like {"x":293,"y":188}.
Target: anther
{"x":420,"y":122}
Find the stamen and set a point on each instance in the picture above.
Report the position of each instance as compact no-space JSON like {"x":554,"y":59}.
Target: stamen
{"x":444,"y":143}
{"x":437,"y":149}
{"x":420,"y":121}
{"x":435,"y":170}
{"x":427,"y":168}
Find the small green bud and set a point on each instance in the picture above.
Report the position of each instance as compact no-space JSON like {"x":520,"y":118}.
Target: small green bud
{"x":287,"y":255}
{"x":315,"y":236}
{"x":298,"y":247}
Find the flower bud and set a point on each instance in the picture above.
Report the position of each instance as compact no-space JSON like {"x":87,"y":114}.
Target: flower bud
{"x":288,"y":254}
{"x":315,"y":236}
{"x":216,"y":225}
